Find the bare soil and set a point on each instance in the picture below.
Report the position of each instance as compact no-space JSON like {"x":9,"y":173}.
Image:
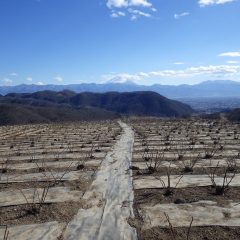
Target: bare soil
{"x":162,"y":171}
{"x":196,"y":233}
{"x":24,"y":214}
{"x":45,"y":169}
{"x":185,"y":195}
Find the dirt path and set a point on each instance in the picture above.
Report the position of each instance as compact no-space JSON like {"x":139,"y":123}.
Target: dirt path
{"x":109,"y":201}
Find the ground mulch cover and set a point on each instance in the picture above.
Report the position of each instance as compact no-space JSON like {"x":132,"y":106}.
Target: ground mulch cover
{"x":184,"y":195}
{"x":81,"y":185}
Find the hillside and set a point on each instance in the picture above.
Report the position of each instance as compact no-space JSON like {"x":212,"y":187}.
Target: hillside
{"x":23,"y":114}
{"x":135,"y":103}
{"x":47,"y":106}
{"x":234,"y":115}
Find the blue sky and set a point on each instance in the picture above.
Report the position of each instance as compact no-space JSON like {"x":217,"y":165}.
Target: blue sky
{"x":145,"y":41}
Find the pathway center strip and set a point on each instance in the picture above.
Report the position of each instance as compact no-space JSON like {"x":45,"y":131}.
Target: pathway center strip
{"x":110,"y":198}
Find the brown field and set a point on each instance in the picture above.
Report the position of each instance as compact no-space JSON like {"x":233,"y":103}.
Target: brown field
{"x":74,"y":180}
{"x":186,"y":179}
{"x":44,"y":172}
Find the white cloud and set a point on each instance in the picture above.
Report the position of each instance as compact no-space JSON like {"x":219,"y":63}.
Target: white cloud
{"x":114,"y":15}
{"x":204,"y":72}
{"x":137,"y":13}
{"x":58,"y":78}
{"x":40,"y":83}
{"x":180,"y":15}
{"x":7,"y":81}
{"x":230,"y":54}
{"x":13,"y":74}
{"x":122,"y":77}
{"x":204,"y":3}
{"x":126,"y":8}
{"x":134,"y":17}
{"x":154,"y":9}
{"x":201,"y":70}
{"x":128,"y":3}
{"x":117,"y":14}
{"x":117,"y":3}
{"x":143,"y":3}
{"x":29,"y":79}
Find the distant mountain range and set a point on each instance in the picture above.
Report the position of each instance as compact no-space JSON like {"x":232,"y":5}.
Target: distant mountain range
{"x":50,"y":106}
{"x":218,"y":88}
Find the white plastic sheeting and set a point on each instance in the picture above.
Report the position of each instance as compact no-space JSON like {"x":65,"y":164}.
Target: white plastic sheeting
{"x":54,"y":156}
{"x":58,"y":164}
{"x":49,"y":231}
{"x":186,"y":181}
{"x":54,"y":195}
{"x":204,"y":213}
{"x":46,"y":176}
{"x":109,"y":199}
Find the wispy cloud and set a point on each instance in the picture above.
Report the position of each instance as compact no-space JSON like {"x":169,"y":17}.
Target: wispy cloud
{"x":154,"y":9}
{"x":204,"y":3}
{"x":123,"y":77}
{"x":132,"y":8}
{"x":127,"y":3}
{"x":29,"y":79}
{"x":137,"y":13}
{"x":13,"y":74}
{"x":40,"y":83}
{"x":230,"y":54}
{"x":117,"y":14}
{"x":7,"y":81}
{"x":180,"y":15}
{"x":58,"y":78}
{"x":208,"y":72}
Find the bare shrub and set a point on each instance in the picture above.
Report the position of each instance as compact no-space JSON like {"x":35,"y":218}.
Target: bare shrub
{"x":6,"y":232}
{"x":169,"y":189}
{"x":35,"y":204}
{"x":153,"y":159}
{"x":55,"y":176}
{"x":172,"y":230}
{"x":4,"y":169}
{"x":212,"y":150}
{"x":189,"y":164}
{"x":226,"y":178}
{"x":182,"y":149}
{"x":82,"y":161}
{"x":90,"y":153}
{"x":4,"y":166}
{"x":41,"y":166}
{"x":232,"y":163}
